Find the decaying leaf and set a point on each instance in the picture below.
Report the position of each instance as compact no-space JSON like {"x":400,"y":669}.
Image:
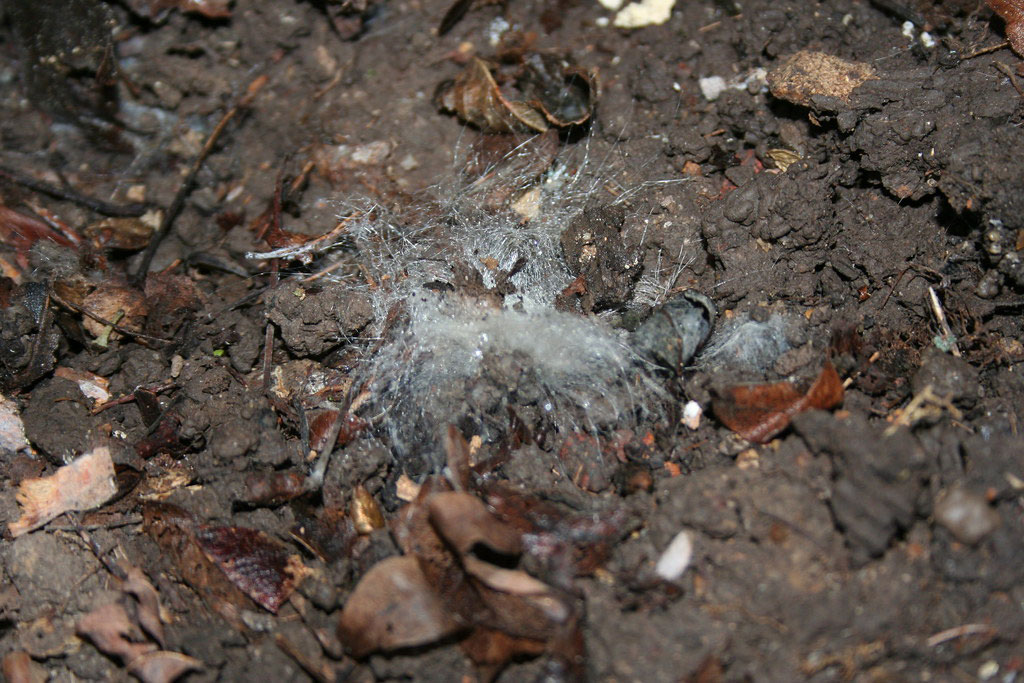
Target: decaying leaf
{"x":86,"y":483}
{"x":1012,"y":12}
{"x":112,"y":630}
{"x":258,"y":565}
{"x":545,"y":92}
{"x":92,"y":385}
{"x":466,"y":558}
{"x":757,"y":412}
{"x":162,"y":666}
{"x":12,"y":429}
{"x":807,"y":74}
{"x":366,"y":514}
{"x":114,"y":302}
{"x":229,"y":564}
{"x":475,"y":96}
{"x":20,"y":231}
{"x":119,"y":233}
{"x":394,"y":606}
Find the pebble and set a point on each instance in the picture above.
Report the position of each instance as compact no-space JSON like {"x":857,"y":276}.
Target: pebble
{"x":966,"y":514}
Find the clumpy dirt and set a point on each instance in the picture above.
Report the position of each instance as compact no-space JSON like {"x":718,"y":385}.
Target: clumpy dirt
{"x":364,"y":310}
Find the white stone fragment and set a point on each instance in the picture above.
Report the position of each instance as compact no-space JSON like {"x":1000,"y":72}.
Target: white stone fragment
{"x":676,"y":558}
{"x":691,"y":414}
{"x":611,"y":5}
{"x":711,"y":87}
{"x":644,"y":13}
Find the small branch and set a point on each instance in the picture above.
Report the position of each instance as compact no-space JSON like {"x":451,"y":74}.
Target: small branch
{"x":69,"y":195}
{"x":186,"y":185}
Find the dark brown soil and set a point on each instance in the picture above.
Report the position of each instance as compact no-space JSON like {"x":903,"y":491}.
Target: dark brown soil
{"x":506,"y":284}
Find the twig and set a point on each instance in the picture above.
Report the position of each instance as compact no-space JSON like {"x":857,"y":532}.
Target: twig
{"x":1009,"y":74}
{"x":94,"y":547}
{"x":91,"y":203}
{"x":985,"y":50}
{"x":960,"y":632}
{"x":186,"y":185}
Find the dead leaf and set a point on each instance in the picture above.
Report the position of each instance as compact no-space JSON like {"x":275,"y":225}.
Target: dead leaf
{"x":92,"y":386}
{"x":365,"y":512}
{"x":464,"y":521}
{"x":139,"y":587}
{"x":757,"y":412}
{"x":475,"y":96}
{"x":258,"y":565}
{"x":393,"y":606}
{"x":20,"y":231}
{"x":12,"y":430}
{"x":112,"y":631}
{"x":86,"y":483}
{"x":119,"y":233}
{"x":807,"y":73}
{"x":18,"y":667}
{"x":1012,"y":12}
{"x":114,"y":302}
{"x":162,"y":666}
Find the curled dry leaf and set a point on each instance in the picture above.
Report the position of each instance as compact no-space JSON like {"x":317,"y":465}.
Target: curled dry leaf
{"x":475,"y":96}
{"x":548,"y":92}
{"x":394,"y":606}
{"x":20,"y":231}
{"x":1012,"y":12}
{"x":148,"y":613}
{"x":86,"y":483}
{"x":162,"y":666}
{"x":112,"y":631}
{"x":91,"y":385}
{"x":757,"y":412}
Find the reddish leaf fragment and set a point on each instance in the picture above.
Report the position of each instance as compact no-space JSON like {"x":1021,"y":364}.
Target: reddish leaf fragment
{"x":757,"y":412}
{"x":1012,"y":12}
{"x":21,"y":231}
{"x":393,"y":606}
{"x":259,"y":566}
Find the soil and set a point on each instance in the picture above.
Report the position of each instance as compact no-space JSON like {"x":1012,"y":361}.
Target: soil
{"x":821,"y":180}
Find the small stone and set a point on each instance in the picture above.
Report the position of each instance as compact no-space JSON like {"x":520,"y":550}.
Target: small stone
{"x":966,"y":514}
{"x":676,"y":558}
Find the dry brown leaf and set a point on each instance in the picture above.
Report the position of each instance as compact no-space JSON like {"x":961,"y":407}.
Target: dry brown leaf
{"x":1012,"y":12}
{"x":393,"y":606}
{"x":18,"y":667}
{"x":463,"y":521}
{"x":116,"y":303}
{"x":807,"y":73}
{"x":476,"y":98}
{"x":86,"y":483}
{"x":119,"y":233}
{"x":757,"y":412}
{"x":112,"y":631}
{"x":148,"y":614}
{"x":258,"y":565}
{"x":162,"y":666}
{"x":91,"y":385}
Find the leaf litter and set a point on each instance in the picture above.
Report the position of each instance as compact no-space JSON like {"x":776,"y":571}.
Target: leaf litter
{"x":393,"y":396}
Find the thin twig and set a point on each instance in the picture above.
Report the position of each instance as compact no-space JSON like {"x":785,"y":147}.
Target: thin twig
{"x":186,"y":185}
{"x":985,"y":50}
{"x":69,"y":195}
